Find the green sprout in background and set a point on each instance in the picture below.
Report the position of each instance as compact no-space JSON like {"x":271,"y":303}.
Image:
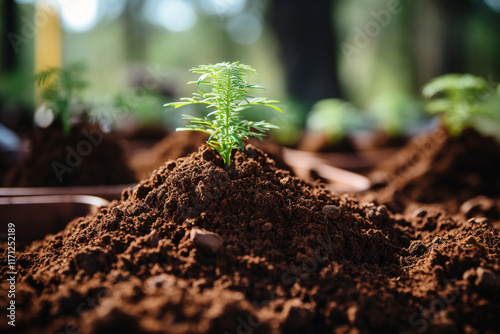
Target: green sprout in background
{"x":459,"y":98}
{"x":333,"y":117}
{"x":228,"y":97}
{"x":395,"y":113}
{"x":59,"y":90}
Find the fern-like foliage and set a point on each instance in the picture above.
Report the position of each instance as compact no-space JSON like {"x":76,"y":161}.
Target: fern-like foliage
{"x":59,"y":87}
{"x":227,"y":98}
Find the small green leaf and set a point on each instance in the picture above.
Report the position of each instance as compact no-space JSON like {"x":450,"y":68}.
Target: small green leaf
{"x":201,"y":78}
{"x":274,"y":107}
{"x":238,"y":140}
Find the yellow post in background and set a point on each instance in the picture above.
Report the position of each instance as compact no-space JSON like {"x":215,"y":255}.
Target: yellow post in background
{"x":48,"y":39}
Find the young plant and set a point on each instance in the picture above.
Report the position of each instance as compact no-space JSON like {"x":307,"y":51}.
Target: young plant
{"x":334,"y":118}
{"x":227,"y":98}
{"x":458,"y":97}
{"x":59,"y":88}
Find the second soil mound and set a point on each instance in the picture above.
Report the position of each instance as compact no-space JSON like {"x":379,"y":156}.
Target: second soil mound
{"x":437,"y":168}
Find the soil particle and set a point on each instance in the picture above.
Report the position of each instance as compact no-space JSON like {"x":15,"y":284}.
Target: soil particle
{"x":332,"y":211}
{"x":378,"y":214}
{"x":267,"y":227}
{"x":208,"y":242}
{"x":487,"y":280}
{"x":417,"y":248}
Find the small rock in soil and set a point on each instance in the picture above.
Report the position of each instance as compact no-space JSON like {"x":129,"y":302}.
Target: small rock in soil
{"x":206,"y":241}
{"x":153,"y":238}
{"x":471,"y":240}
{"x":482,"y":220}
{"x":419,"y":213}
{"x":436,"y":241}
{"x":487,"y":280}
{"x":417,"y":248}
{"x":267,"y":227}
{"x":331,"y":211}
{"x":378,"y":214}
{"x":478,"y":221}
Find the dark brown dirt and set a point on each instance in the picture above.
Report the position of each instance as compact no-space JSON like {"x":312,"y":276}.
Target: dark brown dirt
{"x":295,"y":259}
{"x":85,"y":157}
{"x":437,"y":168}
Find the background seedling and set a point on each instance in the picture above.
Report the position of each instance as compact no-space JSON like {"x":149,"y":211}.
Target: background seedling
{"x":458,"y":97}
{"x":334,"y":118}
{"x":227,"y":98}
{"x":59,"y":89}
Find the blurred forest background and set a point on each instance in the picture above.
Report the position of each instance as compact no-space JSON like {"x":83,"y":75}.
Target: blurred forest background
{"x":376,"y":54}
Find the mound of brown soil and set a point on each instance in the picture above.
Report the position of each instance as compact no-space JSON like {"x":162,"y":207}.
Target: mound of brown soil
{"x":437,"y":168}
{"x":199,"y":248}
{"x":87,"y":156}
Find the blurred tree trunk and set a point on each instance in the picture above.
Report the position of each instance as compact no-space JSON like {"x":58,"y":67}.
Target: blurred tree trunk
{"x":454,"y":14}
{"x":439,"y":34}
{"x":9,"y":25}
{"x":135,"y":31}
{"x":304,"y":32}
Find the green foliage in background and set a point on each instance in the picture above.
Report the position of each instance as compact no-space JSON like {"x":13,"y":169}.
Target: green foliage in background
{"x":458,"y":98}
{"x":291,"y":126}
{"x":228,"y":97}
{"x":59,"y":89}
{"x":333,"y":117}
{"x":395,"y":113}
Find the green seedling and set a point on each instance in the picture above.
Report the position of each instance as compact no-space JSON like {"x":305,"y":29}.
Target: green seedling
{"x":227,"y":98}
{"x":333,"y":117}
{"x":458,"y":97}
{"x":59,"y":89}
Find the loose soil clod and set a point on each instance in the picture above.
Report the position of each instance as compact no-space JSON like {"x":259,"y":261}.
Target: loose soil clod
{"x":288,"y":265}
